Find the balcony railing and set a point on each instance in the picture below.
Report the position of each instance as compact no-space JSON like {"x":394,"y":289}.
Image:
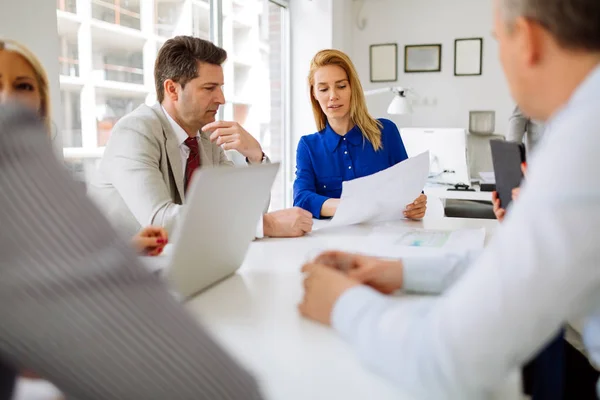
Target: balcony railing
{"x":121,"y":73}
{"x":115,"y":13}
{"x":68,"y":66}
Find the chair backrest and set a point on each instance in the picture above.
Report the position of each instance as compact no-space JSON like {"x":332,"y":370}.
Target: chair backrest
{"x":479,"y":155}
{"x":482,"y":122}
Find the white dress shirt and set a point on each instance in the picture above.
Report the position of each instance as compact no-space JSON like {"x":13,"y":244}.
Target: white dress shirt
{"x":181,"y":138}
{"x":185,"y":153}
{"x":541,"y":269}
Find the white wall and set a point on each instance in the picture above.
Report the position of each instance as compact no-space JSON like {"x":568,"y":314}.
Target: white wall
{"x":33,"y":23}
{"x":311,"y":26}
{"x":315,"y":25}
{"x":342,"y":19}
{"x":311,"y":31}
{"x":408,"y":22}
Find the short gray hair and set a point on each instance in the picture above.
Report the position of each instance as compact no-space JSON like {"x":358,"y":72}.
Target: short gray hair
{"x":575,"y":24}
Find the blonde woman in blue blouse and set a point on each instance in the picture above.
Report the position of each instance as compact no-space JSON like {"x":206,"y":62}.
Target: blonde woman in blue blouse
{"x":349,"y":143}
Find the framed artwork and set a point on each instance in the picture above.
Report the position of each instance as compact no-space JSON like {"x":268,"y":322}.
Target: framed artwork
{"x":468,"y":57}
{"x":383,"y":60}
{"x":423,"y":58}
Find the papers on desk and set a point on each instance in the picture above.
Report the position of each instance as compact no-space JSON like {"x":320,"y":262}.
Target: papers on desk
{"x":416,"y":242}
{"x":382,"y":196}
{"x":423,"y":238}
{"x":398,"y":239}
{"x":458,"y":240}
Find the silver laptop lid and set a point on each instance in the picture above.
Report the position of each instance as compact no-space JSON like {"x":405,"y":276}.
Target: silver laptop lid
{"x":217,"y":225}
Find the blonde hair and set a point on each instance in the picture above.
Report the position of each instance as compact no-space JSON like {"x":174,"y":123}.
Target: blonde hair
{"x":40,"y":74}
{"x":369,"y":126}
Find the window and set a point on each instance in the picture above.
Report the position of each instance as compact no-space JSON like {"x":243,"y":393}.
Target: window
{"x":71,"y":122}
{"x":254,"y":34}
{"x":201,"y":19}
{"x":166,"y":15}
{"x":67,"y":6}
{"x":107,"y":54}
{"x":110,"y":107}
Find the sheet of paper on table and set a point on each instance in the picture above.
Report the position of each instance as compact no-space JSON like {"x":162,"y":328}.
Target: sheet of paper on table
{"x":382,"y":196}
{"x":392,"y":241}
{"x":404,"y":242}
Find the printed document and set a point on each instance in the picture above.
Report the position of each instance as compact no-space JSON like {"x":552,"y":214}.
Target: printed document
{"x":382,"y":196}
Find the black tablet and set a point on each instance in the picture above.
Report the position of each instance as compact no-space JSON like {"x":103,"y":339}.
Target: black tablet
{"x":507,"y":158}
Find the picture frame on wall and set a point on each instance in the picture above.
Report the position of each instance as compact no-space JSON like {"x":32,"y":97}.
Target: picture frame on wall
{"x":383,"y":61}
{"x":468,"y":57}
{"x":423,"y":58}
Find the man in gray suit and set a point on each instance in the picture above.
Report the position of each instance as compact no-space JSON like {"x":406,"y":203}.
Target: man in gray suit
{"x":153,"y":151}
{"x":519,"y":124}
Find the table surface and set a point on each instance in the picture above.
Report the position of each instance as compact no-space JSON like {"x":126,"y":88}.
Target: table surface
{"x":253,"y":314}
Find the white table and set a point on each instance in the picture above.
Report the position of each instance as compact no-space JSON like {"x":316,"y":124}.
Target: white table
{"x":254,"y":315}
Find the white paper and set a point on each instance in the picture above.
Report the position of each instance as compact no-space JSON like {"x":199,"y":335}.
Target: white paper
{"x":416,"y":242}
{"x":487,"y":177}
{"x":388,"y":240}
{"x":382,"y":196}
{"x":421,"y":238}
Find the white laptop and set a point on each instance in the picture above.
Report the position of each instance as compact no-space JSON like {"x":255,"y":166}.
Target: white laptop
{"x":447,"y":152}
{"x":216,"y":227}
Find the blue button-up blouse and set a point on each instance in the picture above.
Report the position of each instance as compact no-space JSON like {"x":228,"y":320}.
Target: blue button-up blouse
{"x":325,"y":159}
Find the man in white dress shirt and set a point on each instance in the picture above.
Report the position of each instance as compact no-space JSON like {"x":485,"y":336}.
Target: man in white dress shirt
{"x":541,"y":269}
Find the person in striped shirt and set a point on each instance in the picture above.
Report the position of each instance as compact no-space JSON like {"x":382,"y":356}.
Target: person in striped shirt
{"x":77,"y":308}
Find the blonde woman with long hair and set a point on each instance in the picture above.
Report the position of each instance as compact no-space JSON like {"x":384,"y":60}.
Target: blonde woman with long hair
{"x":24,"y":80}
{"x":349,"y":144}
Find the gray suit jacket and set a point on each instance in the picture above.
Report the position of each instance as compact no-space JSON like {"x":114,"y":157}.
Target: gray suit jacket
{"x":518,"y":124}
{"x":140,"y":180}
{"x":75,"y":304}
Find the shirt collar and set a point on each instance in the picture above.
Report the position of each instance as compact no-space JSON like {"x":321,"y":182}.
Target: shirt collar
{"x":179,"y":132}
{"x":332,"y":139}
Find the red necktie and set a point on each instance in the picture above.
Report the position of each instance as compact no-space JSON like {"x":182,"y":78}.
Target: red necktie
{"x":193,"y":161}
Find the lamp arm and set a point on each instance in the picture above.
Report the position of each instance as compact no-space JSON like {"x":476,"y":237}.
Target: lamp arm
{"x":395,"y":89}
{"x":378,"y":91}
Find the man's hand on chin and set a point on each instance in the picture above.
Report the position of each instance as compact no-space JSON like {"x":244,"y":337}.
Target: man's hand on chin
{"x":232,"y":136}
